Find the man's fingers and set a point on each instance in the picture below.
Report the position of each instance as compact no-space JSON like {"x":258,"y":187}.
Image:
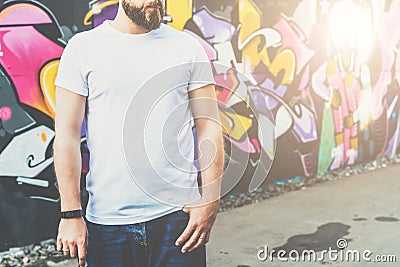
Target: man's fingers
{"x":59,"y":244}
{"x":186,"y":234}
{"x":203,"y":238}
{"x":72,"y":249}
{"x":193,"y":240}
{"x":82,"y":253}
{"x":65,"y":248}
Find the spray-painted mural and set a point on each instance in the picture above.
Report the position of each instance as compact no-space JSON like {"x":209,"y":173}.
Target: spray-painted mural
{"x":308,"y":86}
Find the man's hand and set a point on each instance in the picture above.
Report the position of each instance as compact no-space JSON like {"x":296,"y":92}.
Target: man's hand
{"x":72,"y":238}
{"x":198,"y":230}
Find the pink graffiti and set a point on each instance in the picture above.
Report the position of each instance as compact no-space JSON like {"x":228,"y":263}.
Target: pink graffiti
{"x":245,"y":145}
{"x":226,"y":86}
{"x":5,"y":113}
{"x":25,"y":51}
{"x":309,"y":162}
{"x":224,"y":94}
{"x":293,"y":38}
{"x":344,"y":101}
{"x":256,"y":144}
{"x":23,"y":13}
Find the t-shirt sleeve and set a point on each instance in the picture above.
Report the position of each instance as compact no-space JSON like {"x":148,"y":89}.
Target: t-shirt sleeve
{"x":201,"y":72}
{"x":69,"y":75}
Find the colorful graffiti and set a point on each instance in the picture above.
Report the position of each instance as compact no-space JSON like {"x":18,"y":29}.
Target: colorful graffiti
{"x":330,"y":84}
{"x":31,"y":43}
{"x":304,"y":86}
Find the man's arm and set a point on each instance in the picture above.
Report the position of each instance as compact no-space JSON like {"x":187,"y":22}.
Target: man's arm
{"x":70,"y":110}
{"x":203,"y":212}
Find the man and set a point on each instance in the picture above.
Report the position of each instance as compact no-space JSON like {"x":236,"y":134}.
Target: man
{"x":134,"y":217}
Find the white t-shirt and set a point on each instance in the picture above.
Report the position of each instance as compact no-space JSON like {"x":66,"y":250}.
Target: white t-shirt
{"x":137,"y":117}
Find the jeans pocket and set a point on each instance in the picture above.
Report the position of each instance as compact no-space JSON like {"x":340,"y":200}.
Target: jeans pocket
{"x":178,"y":215}
{"x":103,"y":233}
{"x":184,"y":214}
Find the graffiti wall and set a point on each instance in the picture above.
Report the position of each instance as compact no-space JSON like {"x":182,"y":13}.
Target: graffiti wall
{"x":304,"y":86}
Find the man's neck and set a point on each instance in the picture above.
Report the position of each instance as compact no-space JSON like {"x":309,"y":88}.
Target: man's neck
{"x":123,"y":24}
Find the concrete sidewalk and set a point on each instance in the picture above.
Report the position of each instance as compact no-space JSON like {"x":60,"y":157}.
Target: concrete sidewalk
{"x":362,"y":210}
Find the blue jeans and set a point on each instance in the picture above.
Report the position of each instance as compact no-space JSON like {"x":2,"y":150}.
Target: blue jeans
{"x":145,"y":244}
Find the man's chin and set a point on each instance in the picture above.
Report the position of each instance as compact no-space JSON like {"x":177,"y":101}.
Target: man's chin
{"x":154,"y":25}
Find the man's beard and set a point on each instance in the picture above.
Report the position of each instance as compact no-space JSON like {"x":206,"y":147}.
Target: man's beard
{"x":143,"y":16}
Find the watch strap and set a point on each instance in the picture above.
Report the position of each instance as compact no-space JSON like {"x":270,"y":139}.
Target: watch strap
{"x":71,"y":214}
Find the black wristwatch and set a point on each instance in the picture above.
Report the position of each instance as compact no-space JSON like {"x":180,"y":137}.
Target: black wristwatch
{"x":71,"y":214}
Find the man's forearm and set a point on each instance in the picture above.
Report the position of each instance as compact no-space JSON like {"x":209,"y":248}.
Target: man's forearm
{"x":68,"y":164}
{"x":211,"y":161}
